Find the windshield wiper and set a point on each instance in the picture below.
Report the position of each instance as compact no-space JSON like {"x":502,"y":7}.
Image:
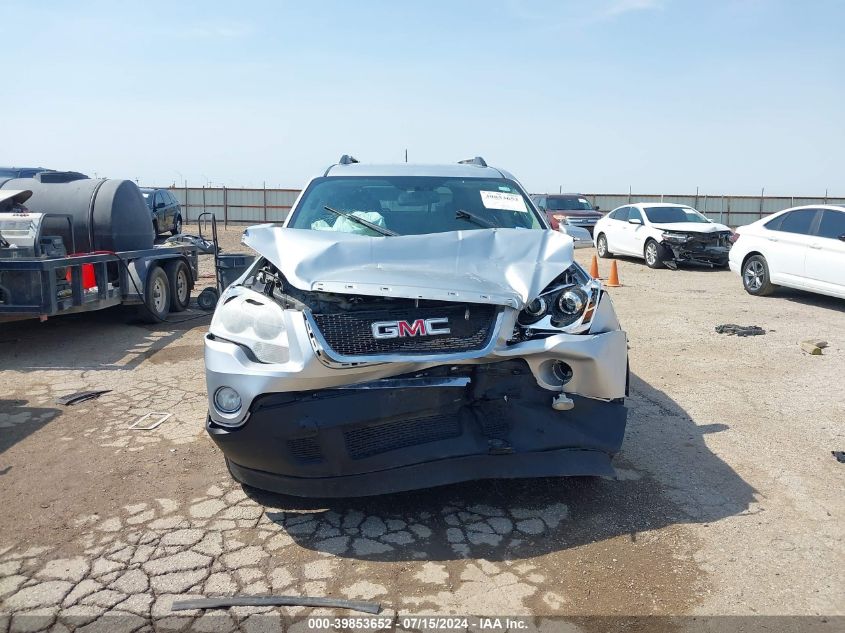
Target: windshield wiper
{"x":362,"y":222}
{"x":466,"y":215}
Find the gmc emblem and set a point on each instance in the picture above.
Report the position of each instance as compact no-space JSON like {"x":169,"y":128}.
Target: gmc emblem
{"x":401,"y":329}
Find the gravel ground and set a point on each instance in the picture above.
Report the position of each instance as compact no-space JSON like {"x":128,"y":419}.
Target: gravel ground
{"x":728,"y":500}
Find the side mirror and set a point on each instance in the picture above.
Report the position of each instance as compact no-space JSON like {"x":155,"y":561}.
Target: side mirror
{"x":634,"y":221}
{"x":597,"y":208}
{"x":842,"y":237}
{"x":160,"y":205}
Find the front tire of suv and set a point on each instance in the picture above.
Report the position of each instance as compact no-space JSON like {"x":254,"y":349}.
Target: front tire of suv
{"x":177,"y":226}
{"x":652,"y":255}
{"x":755,"y":276}
{"x":601,"y":247}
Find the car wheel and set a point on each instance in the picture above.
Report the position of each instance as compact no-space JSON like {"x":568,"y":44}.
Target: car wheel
{"x":179,"y":278}
{"x":652,"y":255}
{"x":177,"y":226}
{"x":755,"y":276}
{"x":156,"y":297}
{"x":601,"y":247}
{"x":156,"y":232}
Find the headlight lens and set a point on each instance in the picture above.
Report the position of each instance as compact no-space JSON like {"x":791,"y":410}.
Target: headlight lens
{"x":227,"y":400}
{"x":569,"y":306}
{"x":253,"y":321}
{"x":572,"y":302}
{"x":534,"y":311}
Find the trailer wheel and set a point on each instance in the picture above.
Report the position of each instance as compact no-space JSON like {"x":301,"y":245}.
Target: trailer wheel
{"x":179,"y":278}
{"x":156,"y":296}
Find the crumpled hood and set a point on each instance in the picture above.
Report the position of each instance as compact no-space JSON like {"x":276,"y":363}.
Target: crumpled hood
{"x":692,"y":227}
{"x":498,"y":266}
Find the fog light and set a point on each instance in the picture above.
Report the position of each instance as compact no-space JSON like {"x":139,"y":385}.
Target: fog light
{"x":227,"y":400}
{"x":563,"y":372}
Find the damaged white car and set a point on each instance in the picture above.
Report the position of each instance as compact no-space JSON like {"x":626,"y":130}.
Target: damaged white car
{"x":412,"y":326}
{"x":664,"y":235}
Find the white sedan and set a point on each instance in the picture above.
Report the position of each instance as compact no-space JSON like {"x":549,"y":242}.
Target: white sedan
{"x":663,"y":235}
{"x":802,"y":247}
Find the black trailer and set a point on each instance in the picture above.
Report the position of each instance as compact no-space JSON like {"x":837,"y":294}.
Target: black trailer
{"x":159,"y":280}
{"x":74,"y":244}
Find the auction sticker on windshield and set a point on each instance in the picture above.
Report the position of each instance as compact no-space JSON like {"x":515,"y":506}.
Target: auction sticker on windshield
{"x":503,"y":201}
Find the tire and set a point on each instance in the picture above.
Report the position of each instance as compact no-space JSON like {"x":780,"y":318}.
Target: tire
{"x":177,"y":226}
{"x":207,"y":299}
{"x":652,"y":255}
{"x":156,"y":232}
{"x":179,"y":278}
{"x":601,"y":247}
{"x":156,"y":297}
{"x":755,"y":276}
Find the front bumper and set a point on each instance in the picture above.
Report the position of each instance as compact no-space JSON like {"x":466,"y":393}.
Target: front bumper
{"x":704,"y":255}
{"x":316,"y":426}
{"x":484,"y":421}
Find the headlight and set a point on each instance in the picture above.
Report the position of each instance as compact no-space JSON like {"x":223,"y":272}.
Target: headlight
{"x":253,"y":321}
{"x":678,"y":238}
{"x":567,"y":303}
{"x":534,"y":311}
{"x":572,"y":302}
{"x":569,"y":306}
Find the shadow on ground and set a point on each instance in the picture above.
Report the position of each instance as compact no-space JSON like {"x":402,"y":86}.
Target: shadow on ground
{"x":667,"y":475}
{"x":808,"y":299}
{"x":106,"y":339}
{"x":17,"y":421}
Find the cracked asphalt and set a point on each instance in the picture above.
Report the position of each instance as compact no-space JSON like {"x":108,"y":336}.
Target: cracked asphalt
{"x":728,"y":500}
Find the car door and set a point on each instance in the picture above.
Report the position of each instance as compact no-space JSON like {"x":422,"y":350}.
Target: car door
{"x":172,"y":207}
{"x":635,"y":234}
{"x":617,"y":224}
{"x":825,"y":263}
{"x":788,"y":240}
{"x":160,"y":211}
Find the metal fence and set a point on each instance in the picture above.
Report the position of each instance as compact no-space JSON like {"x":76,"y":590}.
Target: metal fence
{"x":730,"y":210}
{"x":273,"y":205}
{"x":235,"y":205}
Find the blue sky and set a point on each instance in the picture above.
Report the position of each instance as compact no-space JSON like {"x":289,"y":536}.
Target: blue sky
{"x":661,"y":95}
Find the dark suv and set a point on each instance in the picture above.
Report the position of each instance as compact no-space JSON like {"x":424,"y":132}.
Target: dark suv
{"x":571,"y":208}
{"x":167,"y":213}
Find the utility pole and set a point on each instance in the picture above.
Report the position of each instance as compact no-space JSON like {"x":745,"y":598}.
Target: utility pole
{"x":406,"y":155}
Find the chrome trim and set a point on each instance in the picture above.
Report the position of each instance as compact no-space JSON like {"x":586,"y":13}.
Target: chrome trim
{"x":400,"y":383}
{"x":331,"y":358}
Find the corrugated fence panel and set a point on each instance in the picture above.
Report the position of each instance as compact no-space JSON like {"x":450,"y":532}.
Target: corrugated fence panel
{"x":273,"y":205}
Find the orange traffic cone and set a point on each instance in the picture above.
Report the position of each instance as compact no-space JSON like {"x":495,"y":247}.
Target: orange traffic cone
{"x":594,"y":268}
{"x":613,"y":280}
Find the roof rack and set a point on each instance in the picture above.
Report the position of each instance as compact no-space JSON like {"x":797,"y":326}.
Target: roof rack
{"x":346,"y":159}
{"x":474,"y":161}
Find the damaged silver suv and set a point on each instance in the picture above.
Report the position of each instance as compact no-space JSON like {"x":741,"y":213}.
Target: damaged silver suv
{"x":412,"y":326}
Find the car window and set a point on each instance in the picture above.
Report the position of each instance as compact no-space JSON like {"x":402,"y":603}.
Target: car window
{"x":173,"y":199}
{"x":671,"y":215}
{"x":569,"y":203}
{"x":798,"y":221}
{"x":620,"y":214}
{"x":832,"y":224}
{"x":774,"y":225}
{"x":158,"y":198}
{"x":635,"y":213}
